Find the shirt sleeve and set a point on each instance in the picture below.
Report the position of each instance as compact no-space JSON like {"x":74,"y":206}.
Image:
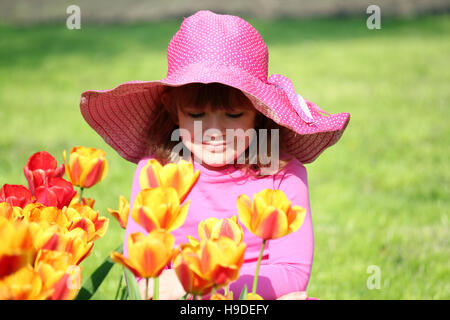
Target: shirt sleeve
{"x":288,"y":265}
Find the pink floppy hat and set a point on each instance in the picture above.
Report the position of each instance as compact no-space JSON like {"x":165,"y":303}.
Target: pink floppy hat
{"x":209,"y":48}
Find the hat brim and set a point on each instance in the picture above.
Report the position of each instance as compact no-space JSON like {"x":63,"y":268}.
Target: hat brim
{"x":122,"y":116}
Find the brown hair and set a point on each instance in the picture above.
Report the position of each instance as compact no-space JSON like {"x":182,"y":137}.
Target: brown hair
{"x":199,"y":95}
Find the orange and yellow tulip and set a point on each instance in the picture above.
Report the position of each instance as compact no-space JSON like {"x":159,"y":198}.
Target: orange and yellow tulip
{"x":187,"y":265}
{"x":253,"y":296}
{"x":180,"y":176}
{"x":210,"y":263}
{"x":159,"y":207}
{"x":148,"y":255}
{"x":85,"y":201}
{"x":270,"y":215}
{"x":60,"y":278}
{"x":86,"y":218}
{"x":16,"y":247}
{"x":213,"y":228}
{"x":219,"y":296}
{"x":86,"y":166}
{"x":10,"y":212}
{"x":25,"y":284}
{"x":122,"y":213}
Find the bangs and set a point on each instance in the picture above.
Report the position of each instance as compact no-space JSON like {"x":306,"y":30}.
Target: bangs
{"x":217,"y":96}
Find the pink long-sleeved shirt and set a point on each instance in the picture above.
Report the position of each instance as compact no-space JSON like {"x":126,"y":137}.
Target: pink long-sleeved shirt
{"x":286,"y":262}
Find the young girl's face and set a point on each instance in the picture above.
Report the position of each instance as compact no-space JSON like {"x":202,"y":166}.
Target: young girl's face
{"x":211,"y":148}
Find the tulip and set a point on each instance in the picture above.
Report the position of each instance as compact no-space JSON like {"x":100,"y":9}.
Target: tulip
{"x":122,"y":213}
{"x":37,"y":212}
{"x":269,"y":216}
{"x":16,"y":195}
{"x":211,"y":263}
{"x":87,"y":219}
{"x":253,"y":296}
{"x":187,"y":265}
{"x":219,"y":296}
{"x":159,"y":208}
{"x":86,"y":167}
{"x":10,"y":212}
{"x":59,"y":277}
{"x":213,"y":228}
{"x":180,"y":176}
{"x":148,"y":255}
{"x":58,"y":193}
{"x":39,"y":168}
{"x":25,"y":284}
{"x":16,"y":246}
{"x":84,"y":201}
{"x":55,"y":238}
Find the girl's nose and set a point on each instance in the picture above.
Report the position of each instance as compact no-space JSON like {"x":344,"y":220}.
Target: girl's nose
{"x":213,"y":128}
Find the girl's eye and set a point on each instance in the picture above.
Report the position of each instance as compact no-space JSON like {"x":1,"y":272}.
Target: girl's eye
{"x":196,"y":115}
{"x":237,"y":115}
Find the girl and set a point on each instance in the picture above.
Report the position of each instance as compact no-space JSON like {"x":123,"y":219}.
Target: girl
{"x":217,"y":85}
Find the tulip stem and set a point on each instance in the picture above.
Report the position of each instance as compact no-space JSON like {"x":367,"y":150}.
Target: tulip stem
{"x":118,"y":287}
{"x":146,"y":288}
{"x":156,"y":288}
{"x":81,"y":194}
{"x":255,"y":280}
{"x":226,"y":290}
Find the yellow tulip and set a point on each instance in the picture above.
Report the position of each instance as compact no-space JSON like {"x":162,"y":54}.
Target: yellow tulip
{"x":16,"y":246}
{"x":270,"y":215}
{"x":213,"y":228}
{"x":122,"y":213}
{"x":180,"y":176}
{"x":86,"y":218}
{"x":219,"y":296}
{"x":36,"y":212}
{"x":85,"y":201}
{"x":210,"y":263}
{"x":10,"y":212}
{"x":187,"y":265}
{"x":253,"y":296}
{"x":59,"y":277}
{"x":159,"y":207}
{"x":25,"y":284}
{"x":147,"y":255}
{"x":86,"y":167}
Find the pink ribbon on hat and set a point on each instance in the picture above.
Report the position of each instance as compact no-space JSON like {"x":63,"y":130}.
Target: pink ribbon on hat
{"x":297,"y":101}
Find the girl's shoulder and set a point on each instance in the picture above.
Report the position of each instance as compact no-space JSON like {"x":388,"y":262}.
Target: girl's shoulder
{"x":293,"y":176}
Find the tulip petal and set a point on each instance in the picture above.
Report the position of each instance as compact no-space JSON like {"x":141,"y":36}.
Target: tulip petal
{"x":120,"y":258}
{"x":296,"y":216}
{"x":149,"y":175}
{"x":273,"y":224}
{"x":145,"y":218}
{"x":178,"y":219}
{"x":244,"y":207}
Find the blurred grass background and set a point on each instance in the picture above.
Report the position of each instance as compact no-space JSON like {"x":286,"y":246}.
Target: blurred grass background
{"x":379,"y":197}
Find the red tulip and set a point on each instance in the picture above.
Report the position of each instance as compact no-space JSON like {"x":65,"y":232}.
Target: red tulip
{"x":16,"y":195}
{"x":39,"y":168}
{"x":58,"y":193}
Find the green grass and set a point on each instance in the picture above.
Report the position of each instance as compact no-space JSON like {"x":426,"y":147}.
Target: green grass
{"x":379,"y":197}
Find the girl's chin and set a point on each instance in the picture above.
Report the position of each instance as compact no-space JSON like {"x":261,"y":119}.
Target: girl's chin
{"x":215,"y":160}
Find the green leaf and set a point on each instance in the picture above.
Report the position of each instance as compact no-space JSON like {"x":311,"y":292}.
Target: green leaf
{"x":243,"y":295}
{"x":132,"y":285}
{"x":91,"y":284}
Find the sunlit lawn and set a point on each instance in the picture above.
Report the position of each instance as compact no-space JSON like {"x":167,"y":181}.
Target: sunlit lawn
{"x":379,"y":197}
